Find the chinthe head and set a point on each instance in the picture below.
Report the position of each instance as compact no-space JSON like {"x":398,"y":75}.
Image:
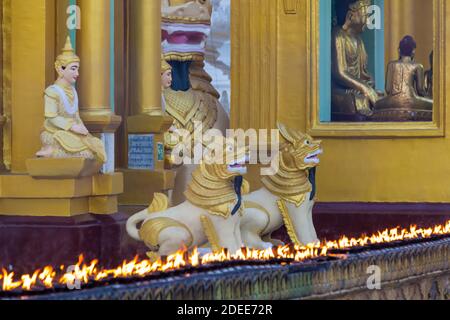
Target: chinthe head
{"x":300,"y":151}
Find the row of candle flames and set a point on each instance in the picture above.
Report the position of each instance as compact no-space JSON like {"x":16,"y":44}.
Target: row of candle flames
{"x":87,"y":273}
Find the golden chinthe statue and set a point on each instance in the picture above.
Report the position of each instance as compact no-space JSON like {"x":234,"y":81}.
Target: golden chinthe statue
{"x":211,"y":213}
{"x":286,"y":198}
{"x":353,"y":93}
{"x":405,"y":87}
{"x":64,"y":135}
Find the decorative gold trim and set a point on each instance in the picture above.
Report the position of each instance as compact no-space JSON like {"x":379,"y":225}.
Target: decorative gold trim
{"x":211,"y":189}
{"x":184,"y":20}
{"x":160,"y":203}
{"x":289,"y":184}
{"x":257,"y":206}
{"x":211,"y":233}
{"x":153,"y":256}
{"x":290,"y":6}
{"x":151,"y":229}
{"x":6,"y":54}
{"x":288,"y":222}
{"x":436,"y":128}
{"x":182,"y":57}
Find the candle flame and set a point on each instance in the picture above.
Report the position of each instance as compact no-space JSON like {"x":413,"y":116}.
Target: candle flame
{"x":87,"y":273}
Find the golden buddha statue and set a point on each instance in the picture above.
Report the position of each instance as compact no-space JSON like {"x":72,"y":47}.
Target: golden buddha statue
{"x":353,"y":95}
{"x":405,"y":87}
{"x":64,"y":135}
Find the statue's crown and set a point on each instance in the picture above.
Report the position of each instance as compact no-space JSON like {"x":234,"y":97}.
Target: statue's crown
{"x":68,"y":54}
{"x":164,"y":65}
{"x":355,"y":6}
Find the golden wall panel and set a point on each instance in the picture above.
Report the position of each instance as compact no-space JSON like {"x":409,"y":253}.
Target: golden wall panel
{"x":412,"y":168}
{"x":254,"y":57}
{"x":354,"y":168}
{"x":32,"y":61}
{"x":292,"y":76}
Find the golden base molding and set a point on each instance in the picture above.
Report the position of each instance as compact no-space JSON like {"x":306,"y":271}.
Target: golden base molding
{"x":24,"y":186}
{"x":58,"y":207}
{"x":140,"y":185}
{"x":104,"y":205}
{"x":62,"y":168}
{"x":145,"y":124}
{"x":23,"y":195}
{"x":103,"y":121}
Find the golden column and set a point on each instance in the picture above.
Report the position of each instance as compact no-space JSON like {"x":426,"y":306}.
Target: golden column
{"x":93,"y":47}
{"x":145,"y":101}
{"x":145,"y":57}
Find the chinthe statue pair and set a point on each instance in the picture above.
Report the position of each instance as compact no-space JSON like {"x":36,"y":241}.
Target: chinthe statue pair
{"x":354,"y":98}
{"x":221,"y":212}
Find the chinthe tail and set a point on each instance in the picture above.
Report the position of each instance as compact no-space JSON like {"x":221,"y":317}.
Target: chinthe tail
{"x":160,"y":203}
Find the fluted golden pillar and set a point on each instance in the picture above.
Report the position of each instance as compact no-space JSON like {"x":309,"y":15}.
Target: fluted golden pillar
{"x":93,"y":47}
{"x":145,"y":101}
{"x":145,"y":46}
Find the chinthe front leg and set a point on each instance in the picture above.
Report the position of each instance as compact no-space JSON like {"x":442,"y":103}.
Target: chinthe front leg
{"x":221,"y":232}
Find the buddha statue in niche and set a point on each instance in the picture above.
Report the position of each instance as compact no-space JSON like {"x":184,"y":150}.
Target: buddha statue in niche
{"x":405,"y":87}
{"x":64,"y":135}
{"x":352,"y":92}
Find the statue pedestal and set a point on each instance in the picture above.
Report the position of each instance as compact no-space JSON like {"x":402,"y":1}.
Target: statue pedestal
{"x":60,"y":188}
{"x":145,"y":174}
{"x":402,"y":115}
{"x":62,"y":168}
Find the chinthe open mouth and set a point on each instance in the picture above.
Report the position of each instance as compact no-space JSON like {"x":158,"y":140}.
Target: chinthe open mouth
{"x":184,"y":37}
{"x":313,"y":157}
{"x":240,"y":165}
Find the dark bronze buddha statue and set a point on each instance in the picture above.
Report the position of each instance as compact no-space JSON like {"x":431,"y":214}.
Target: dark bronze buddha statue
{"x":405,"y":87}
{"x":429,"y":78}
